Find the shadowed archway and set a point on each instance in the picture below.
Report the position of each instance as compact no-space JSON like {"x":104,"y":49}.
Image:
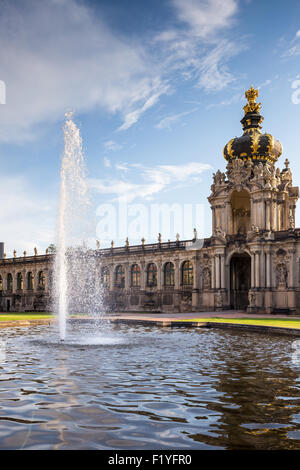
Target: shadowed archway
{"x":240,"y":280}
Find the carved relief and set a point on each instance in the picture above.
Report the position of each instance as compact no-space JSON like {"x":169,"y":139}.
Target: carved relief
{"x":239,"y":173}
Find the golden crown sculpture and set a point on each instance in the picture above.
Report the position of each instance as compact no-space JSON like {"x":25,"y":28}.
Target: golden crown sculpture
{"x":252,"y":106}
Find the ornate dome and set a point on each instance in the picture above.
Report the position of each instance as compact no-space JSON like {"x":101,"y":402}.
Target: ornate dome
{"x":253,"y":145}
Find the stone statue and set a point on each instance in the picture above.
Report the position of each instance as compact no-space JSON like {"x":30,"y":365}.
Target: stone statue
{"x":219,"y":300}
{"x":251,"y":298}
{"x":206,"y":278}
{"x":281,"y":274}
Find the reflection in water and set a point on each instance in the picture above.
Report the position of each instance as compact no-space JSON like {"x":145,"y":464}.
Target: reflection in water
{"x":149,"y":388}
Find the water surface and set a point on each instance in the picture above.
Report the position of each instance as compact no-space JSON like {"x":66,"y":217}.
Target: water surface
{"x":147,"y":388}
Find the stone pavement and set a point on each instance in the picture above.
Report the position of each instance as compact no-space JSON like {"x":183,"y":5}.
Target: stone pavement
{"x":192,"y":315}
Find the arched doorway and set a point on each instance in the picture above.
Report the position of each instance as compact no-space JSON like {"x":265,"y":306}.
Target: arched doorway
{"x":240,"y":204}
{"x":240,"y":280}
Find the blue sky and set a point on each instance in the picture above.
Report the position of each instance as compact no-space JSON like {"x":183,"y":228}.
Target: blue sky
{"x":157,"y":88}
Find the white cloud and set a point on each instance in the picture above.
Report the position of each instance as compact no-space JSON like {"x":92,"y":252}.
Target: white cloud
{"x":27,"y":217}
{"x":298,"y":34}
{"x":111,"y":145}
{"x":167,"y":122}
{"x":154,"y":180}
{"x":207,"y":17}
{"x":58,"y":55}
{"x":199,"y":51}
{"x":107,"y":162}
{"x":133,"y":116}
{"x":121,"y":166}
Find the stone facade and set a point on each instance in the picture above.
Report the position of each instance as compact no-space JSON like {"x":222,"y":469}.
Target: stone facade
{"x":251,"y":261}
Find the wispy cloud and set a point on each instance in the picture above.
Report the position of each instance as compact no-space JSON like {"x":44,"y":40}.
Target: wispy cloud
{"x":107,"y":162}
{"x":206,"y":18}
{"x":152,"y":181}
{"x":61,"y":56}
{"x":294,"y":46}
{"x":155,"y":92}
{"x":169,"y":121}
{"x":198,"y":50}
{"x":112,"y":146}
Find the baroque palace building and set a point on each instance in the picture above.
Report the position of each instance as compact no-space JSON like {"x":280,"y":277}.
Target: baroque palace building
{"x":250,"y":262}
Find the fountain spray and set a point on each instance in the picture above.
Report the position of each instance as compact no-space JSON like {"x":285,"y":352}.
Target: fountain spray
{"x":72,"y":208}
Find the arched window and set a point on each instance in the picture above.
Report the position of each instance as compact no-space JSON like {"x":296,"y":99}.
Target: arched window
{"x":1,"y":284}
{"x":169,"y":274}
{"x":151,"y":275}
{"x":41,"y":280}
{"x":105,"y":276}
{"x":187,"y":274}
{"x":135,"y":275}
{"x":19,"y":281}
{"x":9,"y":281}
{"x":29,"y":281}
{"x":120,"y":276}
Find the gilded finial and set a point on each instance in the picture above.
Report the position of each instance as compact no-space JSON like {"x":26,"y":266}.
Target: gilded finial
{"x":252,"y":106}
{"x":112,"y":244}
{"x":98,"y":244}
{"x":35,"y":251}
{"x":24,"y":253}
{"x":143,"y":241}
{"x":15,"y":253}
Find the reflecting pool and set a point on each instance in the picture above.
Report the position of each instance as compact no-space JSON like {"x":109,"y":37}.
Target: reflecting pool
{"x":147,"y":388}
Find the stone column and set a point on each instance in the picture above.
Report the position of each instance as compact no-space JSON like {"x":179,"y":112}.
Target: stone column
{"x":177,"y":274}
{"x":262,"y":270}
{"x":213,"y":219}
{"x":111,"y":271}
{"x":127,"y":276}
{"x":268,"y":280}
{"x":213,"y":284}
{"x":195,"y":295}
{"x":253,"y":284}
{"x":291,"y":269}
{"x":257,"y":276}
{"x":217,"y":270}
{"x":143,"y":276}
{"x":228,"y":218}
{"x":223,"y":271}
{"x":268,"y":214}
{"x":159,"y":275}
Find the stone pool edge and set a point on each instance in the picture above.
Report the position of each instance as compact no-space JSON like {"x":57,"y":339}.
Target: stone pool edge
{"x":165,"y":323}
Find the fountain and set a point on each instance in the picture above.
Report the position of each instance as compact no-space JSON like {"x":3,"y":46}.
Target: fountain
{"x":77,"y":287}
